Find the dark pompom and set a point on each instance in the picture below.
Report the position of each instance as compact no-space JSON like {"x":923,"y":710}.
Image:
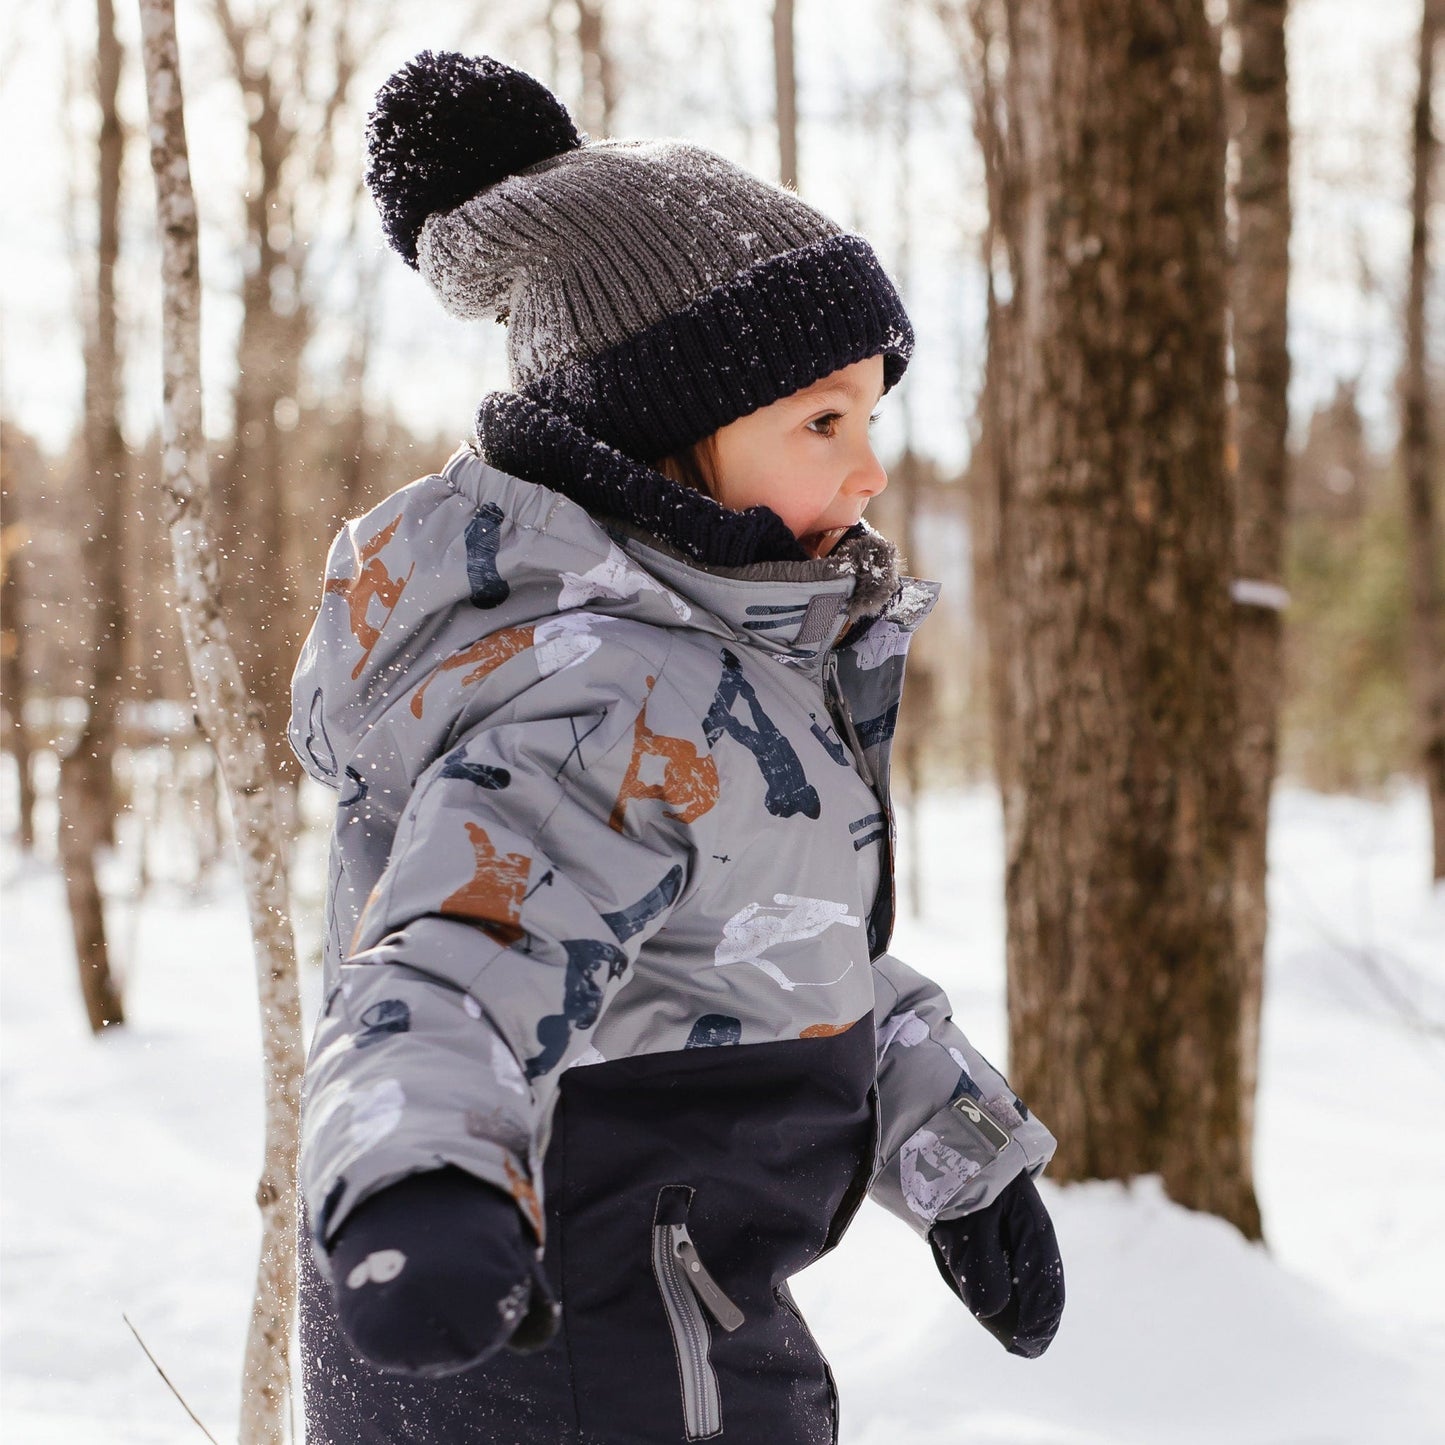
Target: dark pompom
{"x":446,"y":126}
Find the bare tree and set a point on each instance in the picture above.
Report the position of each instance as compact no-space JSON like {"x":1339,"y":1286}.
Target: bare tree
{"x":977,"y":34}
{"x":14,"y":665}
{"x":786,"y":90}
{"x":1418,"y":455}
{"x":1259,"y":315}
{"x":294,"y":63}
{"x":599,"y":75}
{"x":87,"y":785}
{"x":1113,"y":627}
{"x":231,"y":722}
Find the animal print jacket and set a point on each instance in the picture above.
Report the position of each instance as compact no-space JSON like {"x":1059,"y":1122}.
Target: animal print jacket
{"x":610,"y":898}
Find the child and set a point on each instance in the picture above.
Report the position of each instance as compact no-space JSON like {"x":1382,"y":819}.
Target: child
{"x":614,"y":1046}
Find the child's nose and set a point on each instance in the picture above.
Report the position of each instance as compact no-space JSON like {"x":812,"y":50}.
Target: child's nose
{"x":869,"y":477}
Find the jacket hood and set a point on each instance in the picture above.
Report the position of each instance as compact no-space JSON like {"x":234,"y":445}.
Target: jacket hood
{"x":471,"y":551}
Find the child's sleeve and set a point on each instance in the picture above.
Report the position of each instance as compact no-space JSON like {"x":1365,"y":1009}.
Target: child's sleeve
{"x":530,"y":866}
{"x":952,"y":1131}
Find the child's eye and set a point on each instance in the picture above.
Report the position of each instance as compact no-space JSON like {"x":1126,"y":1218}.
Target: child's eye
{"x":829,"y":422}
{"x":877,"y":416}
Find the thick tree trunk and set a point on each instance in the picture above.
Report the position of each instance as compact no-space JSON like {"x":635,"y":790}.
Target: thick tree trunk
{"x":785,"y":81}
{"x":1259,"y":295}
{"x":1418,"y":457}
{"x":231,"y":722}
{"x":1116,"y":543}
{"x":87,"y":772}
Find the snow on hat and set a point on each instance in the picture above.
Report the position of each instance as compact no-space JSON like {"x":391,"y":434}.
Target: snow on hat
{"x":652,"y":290}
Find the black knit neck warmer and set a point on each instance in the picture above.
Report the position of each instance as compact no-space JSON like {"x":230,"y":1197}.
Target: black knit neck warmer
{"x":524,"y":439}
{"x":527,"y":440}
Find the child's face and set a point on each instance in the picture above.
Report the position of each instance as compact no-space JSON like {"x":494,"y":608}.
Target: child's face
{"x":807,"y":456}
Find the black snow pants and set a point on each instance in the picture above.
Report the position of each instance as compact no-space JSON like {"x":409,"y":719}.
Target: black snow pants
{"x":749,"y":1160}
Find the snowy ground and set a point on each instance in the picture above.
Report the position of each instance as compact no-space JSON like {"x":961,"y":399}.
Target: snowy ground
{"x":129,"y":1165}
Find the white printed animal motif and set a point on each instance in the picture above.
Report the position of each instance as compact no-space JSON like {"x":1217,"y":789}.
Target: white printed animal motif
{"x":615,"y":577}
{"x":884,"y":639}
{"x":375,"y":1112}
{"x":563,"y":642}
{"x":589,"y":1055}
{"x":905,"y":1028}
{"x":753,"y":930}
{"x":507,"y":1071}
{"x":381,"y":1266}
{"x":932,"y":1173}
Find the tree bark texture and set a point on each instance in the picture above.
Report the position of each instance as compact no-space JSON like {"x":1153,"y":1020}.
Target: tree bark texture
{"x":1259,"y":302}
{"x":87,"y":771}
{"x":1114,"y":624}
{"x":1419,"y":456}
{"x":785,"y":79}
{"x":232,"y":723}
{"x":275,"y":327}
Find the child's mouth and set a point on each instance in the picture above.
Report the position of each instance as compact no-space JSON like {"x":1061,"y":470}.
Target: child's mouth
{"x":820,"y":544}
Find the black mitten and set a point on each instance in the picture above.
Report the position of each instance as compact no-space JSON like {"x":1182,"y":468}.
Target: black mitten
{"x":435,"y":1273}
{"x":1003,"y":1262}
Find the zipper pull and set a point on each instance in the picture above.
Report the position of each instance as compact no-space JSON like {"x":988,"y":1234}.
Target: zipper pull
{"x":707,"y":1289}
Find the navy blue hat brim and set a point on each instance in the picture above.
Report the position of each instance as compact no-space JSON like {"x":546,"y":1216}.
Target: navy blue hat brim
{"x":763,"y":334}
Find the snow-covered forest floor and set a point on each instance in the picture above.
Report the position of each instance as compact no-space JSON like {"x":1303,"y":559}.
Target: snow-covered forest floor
{"x":129,"y":1166}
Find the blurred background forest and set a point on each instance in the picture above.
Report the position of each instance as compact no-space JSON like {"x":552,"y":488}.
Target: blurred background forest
{"x":332,"y":377}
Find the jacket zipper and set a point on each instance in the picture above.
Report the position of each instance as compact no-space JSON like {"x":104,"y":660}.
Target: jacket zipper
{"x":685,"y":1286}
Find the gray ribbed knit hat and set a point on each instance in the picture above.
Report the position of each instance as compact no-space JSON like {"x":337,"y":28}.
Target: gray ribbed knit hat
{"x":653,"y":291}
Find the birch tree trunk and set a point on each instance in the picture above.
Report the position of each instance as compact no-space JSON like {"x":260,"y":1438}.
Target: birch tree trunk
{"x":1418,"y":457}
{"x":785,"y":82}
{"x":230,"y":720}
{"x":1259,"y":301}
{"x":1115,"y":527}
{"x":87,"y":771}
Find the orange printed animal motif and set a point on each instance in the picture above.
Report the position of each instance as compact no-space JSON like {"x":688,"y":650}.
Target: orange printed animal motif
{"x":483,"y":656}
{"x":825,"y":1031}
{"x":525,"y":1195}
{"x":371,"y":580}
{"x":689,"y":779}
{"x":493,"y":897}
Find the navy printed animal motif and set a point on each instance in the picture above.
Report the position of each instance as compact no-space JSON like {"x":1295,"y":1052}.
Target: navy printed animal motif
{"x":789,"y":790}
{"x":390,"y":1016}
{"x":320,"y":751}
{"x":965,"y":1088}
{"x":713,"y":1031}
{"x":318,"y":745}
{"x":877,"y":730}
{"x":832,"y":743}
{"x":581,"y":999}
{"x":868,"y":830}
{"x":636,"y":916}
{"x":457,"y":766}
{"x":482,"y":537}
{"x":774,"y":617}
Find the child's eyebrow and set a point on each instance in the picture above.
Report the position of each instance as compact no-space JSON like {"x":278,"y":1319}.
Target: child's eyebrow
{"x":835,"y":388}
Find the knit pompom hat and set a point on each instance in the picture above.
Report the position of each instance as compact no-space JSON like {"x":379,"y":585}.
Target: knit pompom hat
{"x":652,"y":290}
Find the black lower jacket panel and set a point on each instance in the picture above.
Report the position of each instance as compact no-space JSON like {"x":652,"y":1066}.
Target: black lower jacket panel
{"x":770,"y":1144}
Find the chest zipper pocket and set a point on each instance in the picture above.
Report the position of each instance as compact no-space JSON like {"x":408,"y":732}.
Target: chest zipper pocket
{"x":686,"y":1287}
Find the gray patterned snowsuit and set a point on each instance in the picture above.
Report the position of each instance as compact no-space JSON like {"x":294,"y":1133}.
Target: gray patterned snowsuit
{"x":609,"y":902}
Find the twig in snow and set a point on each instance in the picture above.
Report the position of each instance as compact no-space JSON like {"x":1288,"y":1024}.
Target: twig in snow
{"x":167,"y":1379}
